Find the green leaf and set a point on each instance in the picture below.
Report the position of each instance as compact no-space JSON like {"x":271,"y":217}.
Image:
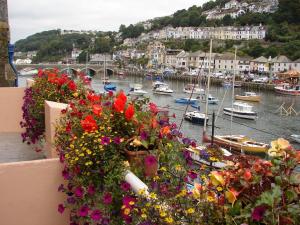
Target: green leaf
{"x":291,"y":195}
{"x":278,"y":180}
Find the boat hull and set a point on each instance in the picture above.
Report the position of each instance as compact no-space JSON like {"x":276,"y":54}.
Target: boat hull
{"x":287,"y":92}
{"x":295,"y":138}
{"x":238,"y":147}
{"x":196,"y":120}
{"x":243,"y":115}
{"x":162,"y":93}
{"x":248,"y":98}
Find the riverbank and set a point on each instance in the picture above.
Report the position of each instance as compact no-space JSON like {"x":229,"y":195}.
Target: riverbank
{"x":214,"y":81}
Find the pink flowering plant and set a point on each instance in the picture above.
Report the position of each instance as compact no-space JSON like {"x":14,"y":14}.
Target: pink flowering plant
{"x":91,"y":139}
{"x":48,"y":85}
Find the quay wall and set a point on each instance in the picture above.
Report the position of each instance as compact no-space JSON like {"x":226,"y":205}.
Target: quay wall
{"x":214,"y":81}
{"x":11,"y":101}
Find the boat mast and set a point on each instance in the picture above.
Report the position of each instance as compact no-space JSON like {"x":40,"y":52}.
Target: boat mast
{"x":207,"y":87}
{"x":233,"y":82}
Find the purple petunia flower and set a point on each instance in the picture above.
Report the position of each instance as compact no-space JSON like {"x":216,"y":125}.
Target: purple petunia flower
{"x":96,"y":215}
{"x":258,"y":213}
{"x":117,"y":140}
{"x":125,"y":186}
{"x":66,"y":174}
{"x":91,"y":189}
{"x":186,"y":141}
{"x":150,"y":160}
{"x":83,"y":211}
{"x":79,"y":192}
{"x":71,"y":200}
{"x":107,"y":198}
{"x":144,"y":135}
{"x":192,"y":175}
{"x":105,"y":140}
{"x":61,"y":208}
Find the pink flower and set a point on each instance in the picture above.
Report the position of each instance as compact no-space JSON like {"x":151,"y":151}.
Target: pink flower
{"x":125,"y":186}
{"x":150,"y":160}
{"x":83,"y":211}
{"x":61,"y":208}
{"x":79,"y":192}
{"x":153,"y":108}
{"x":96,"y":215}
{"x":91,"y":190}
{"x":107,"y":198}
{"x":258,"y":213}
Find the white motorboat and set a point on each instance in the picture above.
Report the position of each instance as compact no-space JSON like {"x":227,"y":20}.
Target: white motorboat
{"x":241,"y":110}
{"x":136,"y":90}
{"x":158,"y":83}
{"x":296,"y":137}
{"x":196,"y":117}
{"x":193,"y":88}
{"x":162,"y":89}
{"x":211,"y":99}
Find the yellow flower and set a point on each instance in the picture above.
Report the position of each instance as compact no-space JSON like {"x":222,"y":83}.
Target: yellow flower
{"x":278,"y":147}
{"x":178,"y":167}
{"x":75,"y":94}
{"x":169,"y":220}
{"x":231,"y":196}
{"x":210,"y":198}
{"x":153,"y":196}
{"x":219,"y":188}
{"x":217,"y":179}
{"x":88,"y":151}
{"x":190,"y":211}
{"x":131,"y":203}
{"x":163,"y":214}
{"x":126,"y":211}
{"x":156,"y":178}
{"x":144,"y":216}
{"x":163,"y":169}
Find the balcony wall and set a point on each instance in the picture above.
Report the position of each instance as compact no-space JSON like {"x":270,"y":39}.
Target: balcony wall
{"x":11,"y":101}
{"x":29,"y":193}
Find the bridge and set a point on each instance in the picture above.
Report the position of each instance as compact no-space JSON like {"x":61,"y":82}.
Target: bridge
{"x":93,"y":70}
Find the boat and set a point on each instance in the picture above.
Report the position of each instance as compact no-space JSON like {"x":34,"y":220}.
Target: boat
{"x":196,"y":117}
{"x":196,"y":106}
{"x":136,"y":90}
{"x":193,"y":88}
{"x":211,"y":99}
{"x":241,"y":110}
{"x":288,"y":89}
{"x":191,"y":101}
{"x":162,"y":88}
{"x":296,"y":137}
{"x":195,"y":154}
{"x":239,"y":143}
{"x":110,"y":87}
{"x":228,"y":84}
{"x":157,"y":83}
{"x":238,"y":84}
{"x":248,"y":96}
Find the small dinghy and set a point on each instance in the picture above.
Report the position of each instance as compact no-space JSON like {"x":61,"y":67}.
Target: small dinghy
{"x":191,"y":101}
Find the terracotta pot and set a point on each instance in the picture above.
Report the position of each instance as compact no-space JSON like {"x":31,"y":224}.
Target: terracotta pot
{"x":137,"y":159}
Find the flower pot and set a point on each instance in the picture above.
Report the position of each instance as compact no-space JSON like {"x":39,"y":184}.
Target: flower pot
{"x":143,"y":160}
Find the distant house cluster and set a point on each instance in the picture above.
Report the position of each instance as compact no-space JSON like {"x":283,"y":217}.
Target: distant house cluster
{"x":201,"y":33}
{"x":64,"y":32}
{"x":159,"y":56}
{"x":235,"y":8}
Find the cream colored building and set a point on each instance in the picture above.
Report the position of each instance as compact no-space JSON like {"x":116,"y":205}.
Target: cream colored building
{"x":156,"y":52}
{"x":260,"y":65}
{"x":225,"y":62}
{"x":171,"y":57}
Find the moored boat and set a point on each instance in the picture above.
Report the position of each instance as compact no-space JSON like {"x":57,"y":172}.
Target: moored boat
{"x":296,"y":137}
{"x":248,"y":96}
{"x":288,"y":89}
{"x":191,"y":101}
{"x":211,"y":99}
{"x":193,"y":88}
{"x":196,"y":117}
{"x":162,"y":88}
{"x":241,"y":110}
{"x":110,"y":87}
{"x":136,"y":90}
{"x":239,"y":143}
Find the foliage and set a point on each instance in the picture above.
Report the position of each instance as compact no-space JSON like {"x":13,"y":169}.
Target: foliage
{"x":132,"y":31}
{"x":91,"y":138}
{"x":51,"y":86}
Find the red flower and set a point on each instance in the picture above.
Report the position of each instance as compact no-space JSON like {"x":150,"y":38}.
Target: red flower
{"x":97,"y":110}
{"x":122,"y":96}
{"x":119,"y":105}
{"x":153,"y":108}
{"x":89,"y":124}
{"x":247,"y":175}
{"x":93,"y":98}
{"x":40,"y":73}
{"x":129,"y":112}
{"x":110,"y":94}
{"x":72,"y":86}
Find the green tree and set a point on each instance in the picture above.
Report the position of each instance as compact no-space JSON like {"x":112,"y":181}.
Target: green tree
{"x":289,"y":11}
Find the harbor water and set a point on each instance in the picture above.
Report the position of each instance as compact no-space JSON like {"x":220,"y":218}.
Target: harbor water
{"x":269,"y":125}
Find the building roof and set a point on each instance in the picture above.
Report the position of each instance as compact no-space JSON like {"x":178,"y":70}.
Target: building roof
{"x":261,"y":59}
{"x":182,"y":54}
{"x":281,"y":59}
{"x":226,"y":56}
{"x":297,"y":61}
{"x":196,"y":54}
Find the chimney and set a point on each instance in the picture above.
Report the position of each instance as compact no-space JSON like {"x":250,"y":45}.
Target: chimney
{"x":7,"y":74}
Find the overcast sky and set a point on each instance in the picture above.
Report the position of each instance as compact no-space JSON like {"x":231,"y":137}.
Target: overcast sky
{"x":27,"y":17}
